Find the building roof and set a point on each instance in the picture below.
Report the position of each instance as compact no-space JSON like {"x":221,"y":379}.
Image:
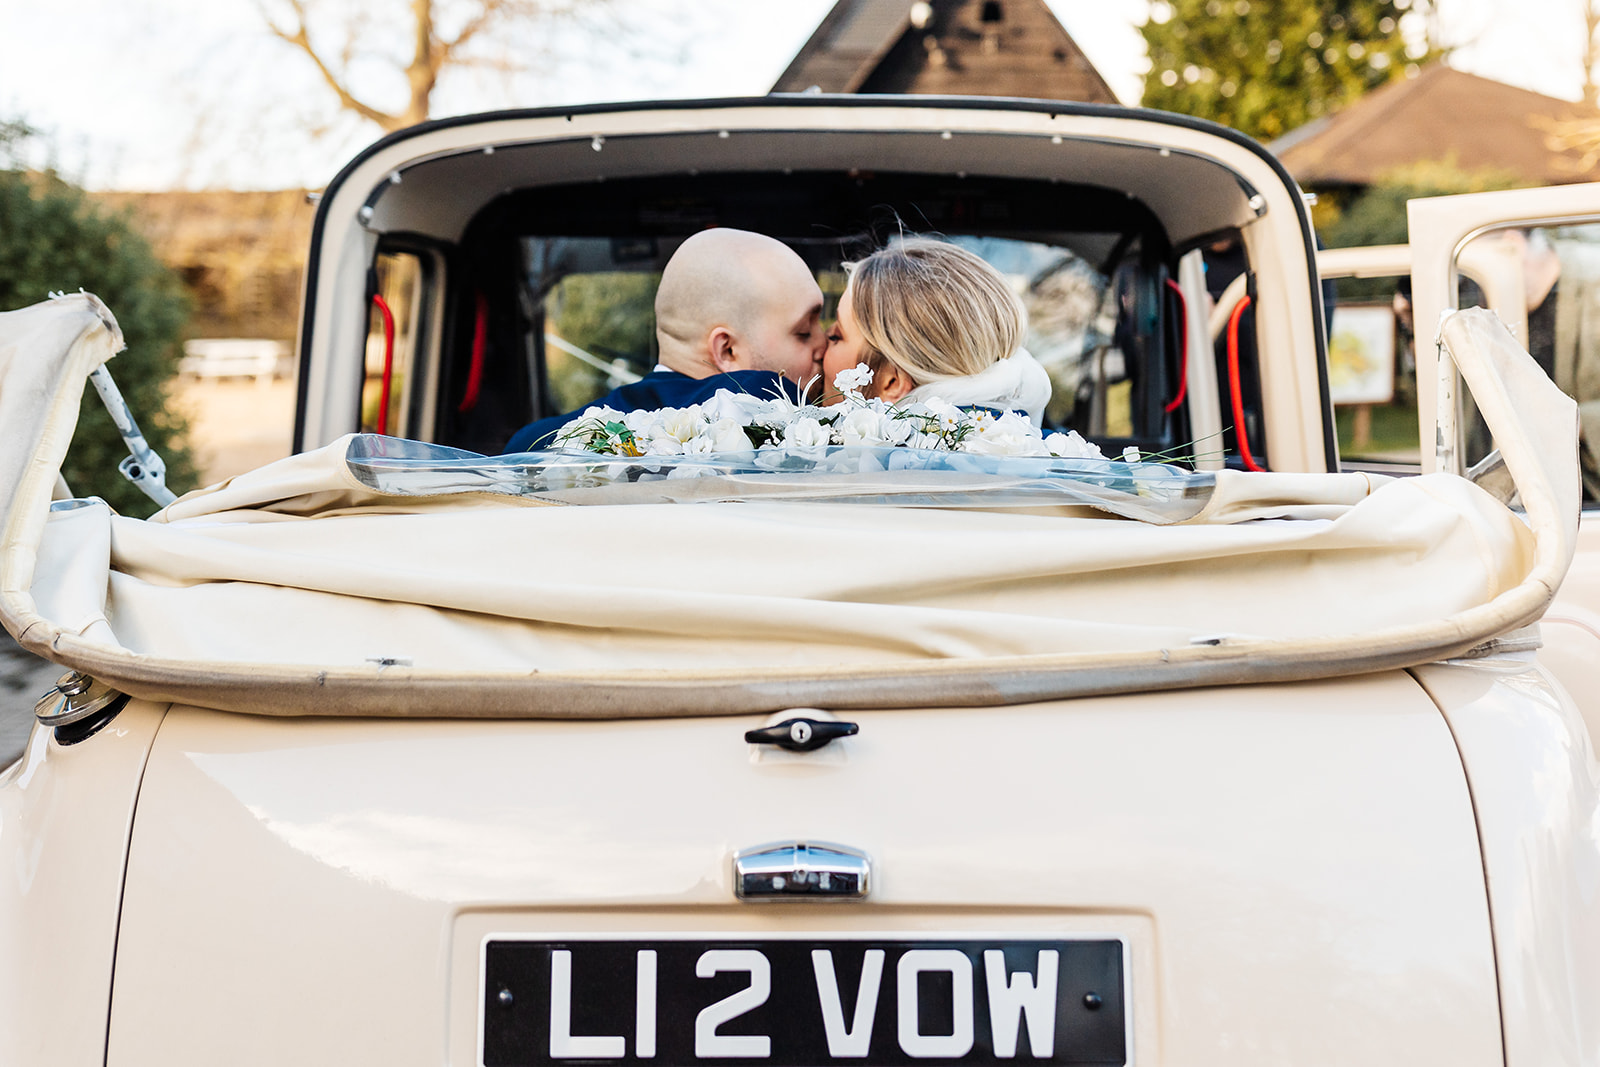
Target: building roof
{"x":1440,"y":114}
{"x":959,"y":47}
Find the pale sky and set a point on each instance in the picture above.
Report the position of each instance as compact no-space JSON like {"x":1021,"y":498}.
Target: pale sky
{"x":149,"y":94}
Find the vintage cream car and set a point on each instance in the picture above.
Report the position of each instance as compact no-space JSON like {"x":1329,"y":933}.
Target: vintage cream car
{"x":399,"y":751}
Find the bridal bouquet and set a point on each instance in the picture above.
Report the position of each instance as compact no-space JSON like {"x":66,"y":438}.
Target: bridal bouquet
{"x":741,"y":422}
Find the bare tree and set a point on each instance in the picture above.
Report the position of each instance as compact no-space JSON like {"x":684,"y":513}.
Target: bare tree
{"x":441,"y":36}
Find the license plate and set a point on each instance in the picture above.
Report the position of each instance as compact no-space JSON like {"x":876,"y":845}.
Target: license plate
{"x":808,"y":1001}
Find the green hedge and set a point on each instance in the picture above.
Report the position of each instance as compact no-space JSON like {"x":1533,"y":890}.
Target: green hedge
{"x":53,"y":239}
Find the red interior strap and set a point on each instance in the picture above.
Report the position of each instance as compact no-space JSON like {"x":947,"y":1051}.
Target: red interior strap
{"x":480,"y":334}
{"x":1183,"y":345}
{"x":388,"y":361}
{"x":1239,"y":433}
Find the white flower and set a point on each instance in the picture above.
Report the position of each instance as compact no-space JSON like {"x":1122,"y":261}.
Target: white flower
{"x":868,"y":426}
{"x":918,"y":439}
{"x":1071,"y":445}
{"x":1010,"y":434}
{"x":950,"y":417}
{"x":605,"y":415}
{"x":807,"y":433}
{"x":727,"y":435}
{"x":670,"y":430}
{"x":852,"y":381}
{"x":727,"y":404}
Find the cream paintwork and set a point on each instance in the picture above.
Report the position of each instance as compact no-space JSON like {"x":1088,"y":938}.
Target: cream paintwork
{"x":1536,"y":789}
{"x":1285,"y":317}
{"x":1571,"y":626}
{"x":65,"y":816}
{"x":1496,"y":270}
{"x":1296,"y":867}
{"x":1200,"y":373}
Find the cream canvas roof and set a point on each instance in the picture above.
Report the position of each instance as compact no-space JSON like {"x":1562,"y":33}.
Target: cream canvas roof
{"x":306,"y":588}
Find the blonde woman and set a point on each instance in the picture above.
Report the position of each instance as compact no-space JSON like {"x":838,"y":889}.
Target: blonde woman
{"x":931,"y":319}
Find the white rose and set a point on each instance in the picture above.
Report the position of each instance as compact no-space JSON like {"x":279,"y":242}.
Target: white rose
{"x":807,"y":433}
{"x":670,"y":428}
{"x":1071,"y":445}
{"x":727,"y":435}
{"x":641,"y":420}
{"x":1008,"y":435}
{"x":864,"y":426}
{"x":899,"y":430}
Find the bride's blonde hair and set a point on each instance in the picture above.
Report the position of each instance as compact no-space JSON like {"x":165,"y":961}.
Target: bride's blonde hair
{"x":934,"y":310}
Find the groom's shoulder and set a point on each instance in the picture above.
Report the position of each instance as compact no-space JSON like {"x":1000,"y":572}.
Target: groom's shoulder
{"x":670,"y":389}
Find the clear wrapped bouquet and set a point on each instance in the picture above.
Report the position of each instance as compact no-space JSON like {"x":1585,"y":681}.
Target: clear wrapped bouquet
{"x":741,"y":422}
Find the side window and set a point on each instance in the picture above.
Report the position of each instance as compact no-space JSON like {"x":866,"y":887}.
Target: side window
{"x":593,"y":309}
{"x":395,"y":328}
{"x":1094,"y":321}
{"x":1372,"y":371}
{"x":1545,"y":283}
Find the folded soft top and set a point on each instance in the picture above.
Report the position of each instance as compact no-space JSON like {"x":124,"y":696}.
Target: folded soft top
{"x":395,"y":578}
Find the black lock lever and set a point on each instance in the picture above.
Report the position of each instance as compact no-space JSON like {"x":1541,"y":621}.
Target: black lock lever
{"x":801,"y":734}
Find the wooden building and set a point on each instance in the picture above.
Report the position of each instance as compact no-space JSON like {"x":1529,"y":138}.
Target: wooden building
{"x":958,"y":47}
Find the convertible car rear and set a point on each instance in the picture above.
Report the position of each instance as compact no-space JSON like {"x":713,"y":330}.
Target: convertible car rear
{"x":403,"y":751}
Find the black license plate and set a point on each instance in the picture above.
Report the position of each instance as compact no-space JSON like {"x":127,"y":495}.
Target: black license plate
{"x":802,"y":1002}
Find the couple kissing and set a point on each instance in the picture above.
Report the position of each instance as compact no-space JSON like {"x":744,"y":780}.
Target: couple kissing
{"x":741,"y":311}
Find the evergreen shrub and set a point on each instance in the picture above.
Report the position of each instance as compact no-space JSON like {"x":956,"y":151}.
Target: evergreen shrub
{"x":53,"y":239}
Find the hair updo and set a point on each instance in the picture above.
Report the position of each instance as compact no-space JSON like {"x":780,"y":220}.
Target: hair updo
{"x":934,"y":310}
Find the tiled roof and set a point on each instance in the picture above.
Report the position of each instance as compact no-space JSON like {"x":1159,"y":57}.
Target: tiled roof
{"x":1440,"y":114}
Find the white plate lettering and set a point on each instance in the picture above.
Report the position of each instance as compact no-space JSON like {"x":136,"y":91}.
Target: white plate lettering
{"x":708,"y":1044}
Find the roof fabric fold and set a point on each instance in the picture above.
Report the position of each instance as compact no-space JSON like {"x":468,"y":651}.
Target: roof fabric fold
{"x":299,"y":589}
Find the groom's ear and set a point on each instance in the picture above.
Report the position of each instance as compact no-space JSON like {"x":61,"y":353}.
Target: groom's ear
{"x":891,"y":383}
{"x":720,"y":346}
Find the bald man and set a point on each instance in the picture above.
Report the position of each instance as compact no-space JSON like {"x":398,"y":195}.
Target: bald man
{"x":735,"y":310}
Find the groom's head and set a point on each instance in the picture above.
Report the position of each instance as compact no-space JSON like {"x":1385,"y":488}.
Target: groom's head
{"x":736,"y":300}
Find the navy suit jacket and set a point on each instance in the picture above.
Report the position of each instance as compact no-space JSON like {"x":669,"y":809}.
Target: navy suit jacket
{"x":658,"y":389}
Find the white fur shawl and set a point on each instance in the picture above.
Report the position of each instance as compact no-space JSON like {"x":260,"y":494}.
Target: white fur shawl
{"x":1016,"y":383}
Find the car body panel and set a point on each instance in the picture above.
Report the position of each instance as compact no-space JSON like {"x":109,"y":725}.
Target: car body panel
{"x":65,"y":817}
{"x":1281,"y":859}
{"x":1536,"y":790}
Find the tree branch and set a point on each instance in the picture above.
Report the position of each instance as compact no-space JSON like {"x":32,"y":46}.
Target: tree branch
{"x":300,"y":37}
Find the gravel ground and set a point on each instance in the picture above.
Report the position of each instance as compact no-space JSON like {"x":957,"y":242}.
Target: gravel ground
{"x":24,"y":678}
